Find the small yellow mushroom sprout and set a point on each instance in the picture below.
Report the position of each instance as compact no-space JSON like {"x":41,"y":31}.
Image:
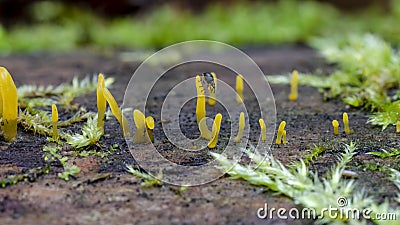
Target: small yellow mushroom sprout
{"x":335,"y":125}
{"x":281,"y":133}
{"x":101,"y":102}
{"x":239,"y":89}
{"x":150,"y":127}
{"x":9,"y":105}
{"x":346,"y":124}
{"x":116,"y":111}
{"x":215,"y":131}
{"x":54,"y":121}
{"x":241,"y":128}
{"x":263,"y":130}
{"x":293,"y":86}
{"x":212,"y":98}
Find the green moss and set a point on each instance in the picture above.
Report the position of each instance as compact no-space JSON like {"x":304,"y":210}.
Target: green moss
{"x":303,"y":186}
{"x":147,"y":179}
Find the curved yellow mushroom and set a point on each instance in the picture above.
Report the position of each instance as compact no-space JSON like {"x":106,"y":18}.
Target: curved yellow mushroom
{"x":101,"y":102}
{"x":280,"y":134}
{"x":335,"y":125}
{"x":346,"y":124}
{"x":293,"y":86}
{"x":241,"y":128}
{"x":54,"y":121}
{"x":398,"y":126}
{"x":9,"y":105}
{"x":239,"y":88}
{"x":116,"y":111}
{"x":150,"y":127}
{"x":204,"y":131}
{"x":215,"y":131}
{"x":263,"y":129}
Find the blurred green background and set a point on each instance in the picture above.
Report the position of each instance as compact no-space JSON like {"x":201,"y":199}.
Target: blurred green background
{"x":60,"y":26}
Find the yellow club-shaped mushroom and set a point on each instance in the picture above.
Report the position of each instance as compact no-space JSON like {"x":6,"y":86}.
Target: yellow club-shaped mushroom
{"x":335,"y":125}
{"x":293,"y":86}
{"x":9,"y":105}
{"x":201,"y":101}
{"x":215,"y":131}
{"x":241,"y":128}
{"x":54,"y":121}
{"x":239,"y":88}
{"x":346,"y":124}
{"x":280,"y":134}
{"x":116,"y":111}
{"x":101,"y":102}
{"x":263,"y":130}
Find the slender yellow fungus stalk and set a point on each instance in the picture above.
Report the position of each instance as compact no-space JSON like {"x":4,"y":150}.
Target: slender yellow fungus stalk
{"x":215,"y":131}
{"x":201,"y":110}
{"x":101,"y":103}
{"x":263,"y":130}
{"x":150,"y":127}
{"x":201,"y":101}
{"x":241,"y":128}
{"x":280,"y":132}
{"x":9,"y":105}
{"x":293,"y":86}
{"x":398,"y":126}
{"x":142,"y":125}
{"x":346,"y":124}
{"x":212,"y":98}
{"x":116,"y":111}
{"x":335,"y":125}
{"x":284,"y":137}
{"x":239,"y":88}
{"x":54,"y":121}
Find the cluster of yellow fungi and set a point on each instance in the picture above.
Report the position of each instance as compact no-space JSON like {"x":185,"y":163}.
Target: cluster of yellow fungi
{"x":8,"y":105}
{"x":144,"y":125}
{"x":205,"y":133}
{"x":347,"y":129}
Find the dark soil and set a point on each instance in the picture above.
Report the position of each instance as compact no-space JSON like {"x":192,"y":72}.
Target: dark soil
{"x":104,"y":193}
